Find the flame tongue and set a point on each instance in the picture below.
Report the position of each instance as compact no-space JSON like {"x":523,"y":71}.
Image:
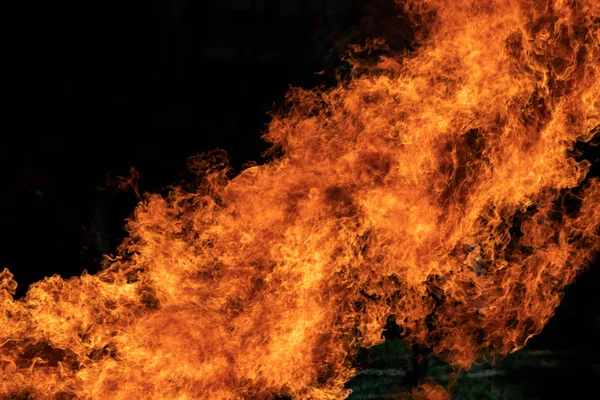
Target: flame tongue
{"x":429,"y":188}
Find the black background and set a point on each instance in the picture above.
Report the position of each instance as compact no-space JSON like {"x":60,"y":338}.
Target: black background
{"x":105,"y":85}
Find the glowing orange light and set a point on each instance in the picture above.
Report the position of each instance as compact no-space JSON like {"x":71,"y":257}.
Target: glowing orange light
{"x":428,"y":187}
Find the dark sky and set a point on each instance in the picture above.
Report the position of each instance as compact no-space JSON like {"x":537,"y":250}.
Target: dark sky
{"x":106,"y":85}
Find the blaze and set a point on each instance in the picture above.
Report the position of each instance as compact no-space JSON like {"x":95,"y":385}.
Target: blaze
{"x":441,"y":188}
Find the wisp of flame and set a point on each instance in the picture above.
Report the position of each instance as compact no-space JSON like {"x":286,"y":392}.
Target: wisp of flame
{"x":441,"y":188}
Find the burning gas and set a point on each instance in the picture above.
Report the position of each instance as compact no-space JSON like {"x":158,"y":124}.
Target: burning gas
{"x":430,"y":188}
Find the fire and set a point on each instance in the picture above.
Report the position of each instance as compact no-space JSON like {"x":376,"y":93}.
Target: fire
{"x":428,"y":391}
{"x":431,"y":187}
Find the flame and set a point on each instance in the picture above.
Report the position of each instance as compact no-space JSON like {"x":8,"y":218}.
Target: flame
{"x":440,"y":188}
{"x":427,"y":391}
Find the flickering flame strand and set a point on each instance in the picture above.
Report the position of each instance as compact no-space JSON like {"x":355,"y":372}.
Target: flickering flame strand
{"x":431,"y":188}
{"x":428,"y":391}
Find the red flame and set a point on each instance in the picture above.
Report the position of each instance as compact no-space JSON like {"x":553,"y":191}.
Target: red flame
{"x":430,"y":188}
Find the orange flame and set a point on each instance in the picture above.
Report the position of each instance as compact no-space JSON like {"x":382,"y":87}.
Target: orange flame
{"x":427,"y":391}
{"x":431,"y":188}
